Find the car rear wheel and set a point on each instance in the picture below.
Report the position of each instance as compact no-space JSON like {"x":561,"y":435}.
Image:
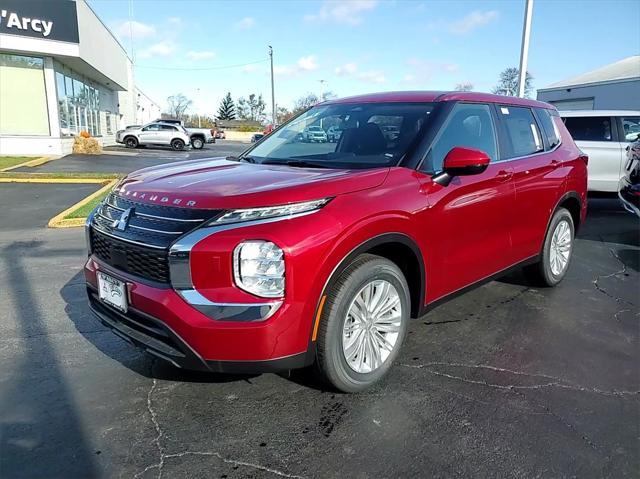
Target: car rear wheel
{"x":197,"y":143}
{"x":556,"y":251}
{"x":131,"y":142}
{"x":363,"y":324}
{"x":177,"y":144}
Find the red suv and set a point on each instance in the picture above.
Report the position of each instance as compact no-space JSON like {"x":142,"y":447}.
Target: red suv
{"x":298,"y":253}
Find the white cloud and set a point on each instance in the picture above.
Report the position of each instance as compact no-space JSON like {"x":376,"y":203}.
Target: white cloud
{"x":202,"y":55}
{"x":307,"y":63}
{"x":134,"y":29}
{"x":342,"y":11}
{"x":177,"y":21}
{"x":245,"y":23}
{"x":372,"y":76}
{"x":283,"y":70}
{"x":161,"y":49}
{"x":249,"y":68}
{"x":422,"y":71}
{"x":472,"y":21}
{"x":346,"y":69}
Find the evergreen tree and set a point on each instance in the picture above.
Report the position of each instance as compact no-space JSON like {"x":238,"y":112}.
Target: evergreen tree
{"x":227,"y":110}
{"x":508,"y":84}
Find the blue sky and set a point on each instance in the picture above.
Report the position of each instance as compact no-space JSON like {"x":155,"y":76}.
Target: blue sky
{"x":360,"y":46}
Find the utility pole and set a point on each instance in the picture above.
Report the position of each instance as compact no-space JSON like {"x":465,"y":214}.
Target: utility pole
{"x":198,"y":107}
{"x":273,"y":97}
{"x":524,"y":51}
{"x":322,"y":82}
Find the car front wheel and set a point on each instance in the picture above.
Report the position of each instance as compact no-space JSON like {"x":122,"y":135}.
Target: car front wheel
{"x":131,"y":142}
{"x":363,"y":324}
{"x":177,"y":144}
{"x":556,"y":251}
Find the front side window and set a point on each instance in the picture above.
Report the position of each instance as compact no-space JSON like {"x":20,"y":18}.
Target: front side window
{"x":523,"y":136}
{"x":630,"y":128}
{"x":468,"y":126}
{"x":589,"y":128}
{"x":348,"y":135}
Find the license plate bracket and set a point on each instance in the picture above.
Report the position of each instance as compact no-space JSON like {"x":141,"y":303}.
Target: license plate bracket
{"x":112,"y":291}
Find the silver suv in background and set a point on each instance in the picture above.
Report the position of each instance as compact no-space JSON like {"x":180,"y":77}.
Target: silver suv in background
{"x":155,"y":134}
{"x":604,"y":136}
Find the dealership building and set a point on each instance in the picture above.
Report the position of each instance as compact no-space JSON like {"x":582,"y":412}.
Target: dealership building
{"x":62,"y":72}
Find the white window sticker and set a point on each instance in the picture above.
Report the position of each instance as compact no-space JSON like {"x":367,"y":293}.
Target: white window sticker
{"x":504,"y":110}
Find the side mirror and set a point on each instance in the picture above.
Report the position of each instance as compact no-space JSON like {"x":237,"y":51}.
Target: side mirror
{"x":462,"y":162}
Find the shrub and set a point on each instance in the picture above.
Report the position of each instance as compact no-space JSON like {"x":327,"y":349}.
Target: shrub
{"x":86,"y":146}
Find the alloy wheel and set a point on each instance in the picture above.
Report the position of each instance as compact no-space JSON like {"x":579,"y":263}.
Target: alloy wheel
{"x":560,"y":248}
{"x":372,"y":326}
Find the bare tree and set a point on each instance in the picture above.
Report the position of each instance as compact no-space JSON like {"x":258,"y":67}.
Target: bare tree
{"x":464,"y":86}
{"x":508,"y":84}
{"x":305,"y":102}
{"x":251,"y":108}
{"x":178,"y":105}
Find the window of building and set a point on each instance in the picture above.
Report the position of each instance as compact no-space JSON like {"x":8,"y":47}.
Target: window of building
{"x":523,"y":136}
{"x":547,"y":122}
{"x":589,"y":128}
{"x":468,"y":126}
{"x":78,"y":104}
{"x":20,"y":113}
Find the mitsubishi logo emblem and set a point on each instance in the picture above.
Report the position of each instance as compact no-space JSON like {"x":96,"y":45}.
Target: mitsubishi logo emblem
{"x":123,"y":221}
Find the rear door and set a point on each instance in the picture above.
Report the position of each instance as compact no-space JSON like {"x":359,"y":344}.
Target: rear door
{"x":538,"y":180}
{"x":471,"y":237}
{"x":166,"y":133}
{"x":595,"y":135}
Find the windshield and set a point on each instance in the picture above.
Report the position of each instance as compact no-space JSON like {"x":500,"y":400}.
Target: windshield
{"x":370,"y":135}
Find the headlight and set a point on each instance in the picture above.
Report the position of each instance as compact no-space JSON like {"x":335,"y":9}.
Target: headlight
{"x":248,"y":214}
{"x":258,"y":268}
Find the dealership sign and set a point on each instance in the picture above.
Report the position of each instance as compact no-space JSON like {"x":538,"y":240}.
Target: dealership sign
{"x":46,"y":19}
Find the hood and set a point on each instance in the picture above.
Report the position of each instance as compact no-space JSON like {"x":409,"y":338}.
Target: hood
{"x":220,"y":184}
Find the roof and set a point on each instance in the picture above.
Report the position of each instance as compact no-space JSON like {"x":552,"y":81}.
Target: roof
{"x":623,"y":70}
{"x":437,"y":96}
{"x":599,"y":113}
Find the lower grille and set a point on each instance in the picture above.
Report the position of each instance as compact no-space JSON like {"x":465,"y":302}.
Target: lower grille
{"x":149,"y":263}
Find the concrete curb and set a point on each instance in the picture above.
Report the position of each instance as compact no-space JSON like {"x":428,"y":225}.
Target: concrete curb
{"x":31,"y":163}
{"x":56,"y":180}
{"x":59,"y":220}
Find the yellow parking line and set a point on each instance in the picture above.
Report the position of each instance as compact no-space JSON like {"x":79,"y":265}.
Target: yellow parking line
{"x":59,"y":220}
{"x":54,"y":180}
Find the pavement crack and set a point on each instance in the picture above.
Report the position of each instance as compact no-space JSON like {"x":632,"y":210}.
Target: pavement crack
{"x":623,"y":270}
{"x":552,"y":381}
{"x":159,"y":433}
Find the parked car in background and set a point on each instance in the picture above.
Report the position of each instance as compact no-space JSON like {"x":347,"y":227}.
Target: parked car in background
{"x":314,"y":134}
{"x":334,"y":133}
{"x":629,"y":190}
{"x":161,"y":134}
{"x":200,"y":136}
{"x":257,"y":137}
{"x":220,"y":135}
{"x":603,"y":135}
{"x":291,"y":255}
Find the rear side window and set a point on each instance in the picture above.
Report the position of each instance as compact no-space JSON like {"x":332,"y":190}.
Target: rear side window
{"x":523,"y":136}
{"x":589,"y":128}
{"x":549,"y":127}
{"x":631,"y":128}
{"x":469,"y":126}
{"x":168,"y":127}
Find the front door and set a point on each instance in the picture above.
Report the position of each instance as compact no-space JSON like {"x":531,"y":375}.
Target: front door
{"x":471,"y":231}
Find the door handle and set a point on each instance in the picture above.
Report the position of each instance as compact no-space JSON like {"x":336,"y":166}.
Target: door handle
{"x":504,"y":175}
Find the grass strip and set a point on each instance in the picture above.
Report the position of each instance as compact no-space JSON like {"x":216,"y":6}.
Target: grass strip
{"x":84,"y":210}
{"x":9,"y":161}
{"x":59,"y":175}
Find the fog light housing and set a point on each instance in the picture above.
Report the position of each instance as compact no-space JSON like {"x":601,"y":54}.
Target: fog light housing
{"x":258,"y":268}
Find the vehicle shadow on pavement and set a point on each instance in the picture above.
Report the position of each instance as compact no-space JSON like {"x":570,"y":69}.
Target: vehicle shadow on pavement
{"x":131,"y":357}
{"x":40,"y":422}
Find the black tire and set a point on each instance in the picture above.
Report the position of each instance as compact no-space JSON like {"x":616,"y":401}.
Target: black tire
{"x":131,"y":142}
{"x":197,"y":143}
{"x":331,"y":364}
{"x":177,"y":144}
{"x":541,"y":273}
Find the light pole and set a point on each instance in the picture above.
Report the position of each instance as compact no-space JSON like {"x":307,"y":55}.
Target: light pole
{"x":198,"y":107}
{"x":273,"y":97}
{"x":524,"y":51}
{"x":322,"y":82}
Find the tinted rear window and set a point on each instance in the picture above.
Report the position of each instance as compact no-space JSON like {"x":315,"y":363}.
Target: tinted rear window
{"x":548,"y":126}
{"x":589,"y":128}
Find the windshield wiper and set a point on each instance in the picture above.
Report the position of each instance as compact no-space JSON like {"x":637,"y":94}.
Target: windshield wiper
{"x":295,"y":163}
{"x":245,"y":159}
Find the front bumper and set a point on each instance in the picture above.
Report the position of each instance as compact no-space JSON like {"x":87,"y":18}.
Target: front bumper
{"x":162,"y":323}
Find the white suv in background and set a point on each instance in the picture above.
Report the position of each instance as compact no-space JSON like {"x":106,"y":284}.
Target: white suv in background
{"x":155,"y":134}
{"x":603,"y":135}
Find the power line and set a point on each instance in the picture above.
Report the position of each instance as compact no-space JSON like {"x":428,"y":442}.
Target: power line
{"x":222,"y":67}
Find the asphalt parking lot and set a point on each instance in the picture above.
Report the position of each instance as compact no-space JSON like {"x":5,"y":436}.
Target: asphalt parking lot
{"x":505,"y":381}
{"x":123,"y":160}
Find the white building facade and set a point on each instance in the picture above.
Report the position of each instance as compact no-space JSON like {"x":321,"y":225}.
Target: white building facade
{"x":62,"y":72}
